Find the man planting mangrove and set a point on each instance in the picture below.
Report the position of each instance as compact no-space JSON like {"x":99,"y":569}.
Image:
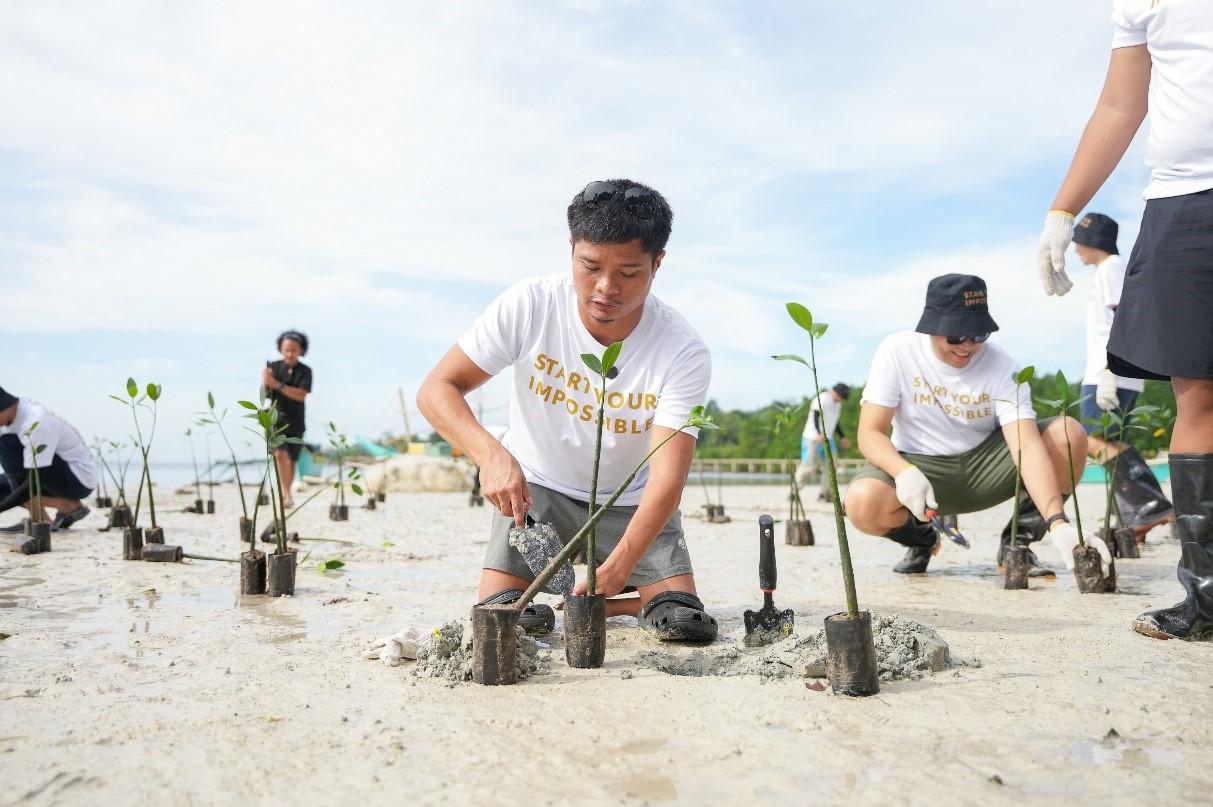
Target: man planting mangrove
{"x":540,"y":327}
{"x":955,"y":411}
{"x":65,"y":465}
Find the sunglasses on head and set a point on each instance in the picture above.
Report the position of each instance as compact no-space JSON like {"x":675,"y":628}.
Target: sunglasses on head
{"x":639,"y":201}
{"x":960,"y":340}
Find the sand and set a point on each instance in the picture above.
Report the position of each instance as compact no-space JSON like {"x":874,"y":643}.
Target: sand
{"x":139,"y":683}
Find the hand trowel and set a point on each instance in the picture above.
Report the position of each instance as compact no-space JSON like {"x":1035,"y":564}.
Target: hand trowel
{"x":767,"y":625}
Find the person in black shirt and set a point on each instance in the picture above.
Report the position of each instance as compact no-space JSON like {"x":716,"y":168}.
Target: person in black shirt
{"x":288,"y":382}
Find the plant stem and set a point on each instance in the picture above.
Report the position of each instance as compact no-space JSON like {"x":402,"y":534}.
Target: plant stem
{"x":844,"y":546}
{"x":194,"y":460}
{"x":1073,"y":481}
{"x":591,"y":564}
{"x":575,"y":542}
{"x":1018,"y":476}
{"x":209,"y":557}
{"x":235,"y":464}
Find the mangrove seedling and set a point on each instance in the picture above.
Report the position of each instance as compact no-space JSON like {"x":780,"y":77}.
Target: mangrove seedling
{"x":210,"y":466}
{"x":103,"y":497}
{"x":189,"y":438}
{"x":39,"y":530}
{"x":585,"y":617}
{"x":135,"y":400}
{"x":1017,"y":561}
{"x":339,"y":510}
{"x":280,"y":567}
{"x":213,"y":418}
{"x":850,"y":652}
{"x":1121,"y":539}
{"x":494,"y":643}
{"x":798,"y":531}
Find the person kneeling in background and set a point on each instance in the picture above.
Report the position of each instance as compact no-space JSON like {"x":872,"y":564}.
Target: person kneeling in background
{"x":954,"y":407}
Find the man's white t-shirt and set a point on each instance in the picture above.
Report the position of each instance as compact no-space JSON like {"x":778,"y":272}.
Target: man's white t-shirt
{"x":535,"y":327}
{"x":942,"y":410}
{"x":832,"y":409}
{"x":1179,"y":36}
{"x":1106,"y":283}
{"x":60,"y":438}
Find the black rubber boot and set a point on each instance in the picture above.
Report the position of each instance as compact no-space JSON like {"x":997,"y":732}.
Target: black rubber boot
{"x":921,"y":543}
{"x":1192,"y":487}
{"x":1138,"y":495}
{"x":1030,"y":527}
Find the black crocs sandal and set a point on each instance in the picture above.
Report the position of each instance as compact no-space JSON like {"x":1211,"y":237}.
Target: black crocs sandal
{"x":536,"y":619}
{"x":64,"y":521}
{"x":678,"y":616}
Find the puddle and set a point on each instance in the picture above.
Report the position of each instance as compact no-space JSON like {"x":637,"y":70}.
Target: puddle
{"x":387,"y":578}
{"x":1113,"y":749}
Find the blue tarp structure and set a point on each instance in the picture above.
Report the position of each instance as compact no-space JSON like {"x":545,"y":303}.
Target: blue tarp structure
{"x":372,"y":449}
{"x":1094,"y":472}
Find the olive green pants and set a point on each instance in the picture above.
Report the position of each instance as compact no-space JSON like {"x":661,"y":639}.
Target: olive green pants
{"x":976,"y":480}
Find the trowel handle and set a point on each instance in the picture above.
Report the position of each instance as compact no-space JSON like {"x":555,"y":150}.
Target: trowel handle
{"x":766,"y":553}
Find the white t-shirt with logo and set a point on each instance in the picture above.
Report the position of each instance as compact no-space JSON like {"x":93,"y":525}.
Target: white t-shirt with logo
{"x":942,"y":410}
{"x":1106,"y":283}
{"x":535,"y":327}
{"x":60,"y":438}
{"x":832,"y":409}
{"x":1179,"y":36}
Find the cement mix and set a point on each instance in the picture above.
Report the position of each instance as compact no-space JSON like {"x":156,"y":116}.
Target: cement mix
{"x":904,"y":649}
{"x":448,"y":655}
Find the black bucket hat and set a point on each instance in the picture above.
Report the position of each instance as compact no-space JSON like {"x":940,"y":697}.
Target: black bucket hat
{"x":956,"y":306}
{"x":6,"y":400}
{"x":1098,"y":231}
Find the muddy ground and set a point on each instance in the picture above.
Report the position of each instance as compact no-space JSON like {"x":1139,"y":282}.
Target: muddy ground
{"x":140,"y":683}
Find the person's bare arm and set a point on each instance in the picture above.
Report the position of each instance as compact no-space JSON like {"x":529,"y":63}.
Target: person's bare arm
{"x":294,"y":393}
{"x":668,"y":471}
{"x":1117,"y":117}
{"x":874,"y":443}
{"x":1036,"y":468}
{"x":442,"y":400}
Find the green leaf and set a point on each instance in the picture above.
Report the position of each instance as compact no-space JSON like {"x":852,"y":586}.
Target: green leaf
{"x":388,"y":544}
{"x":263,"y":417}
{"x":154,"y":390}
{"x":354,"y":486}
{"x":1025,"y":375}
{"x":248,"y":405}
{"x":791,"y":357}
{"x":210,"y":399}
{"x":122,"y":401}
{"x":819,"y":330}
{"x":592,"y":362}
{"x":801,"y":316}
{"x":610,"y":356}
{"x":132,"y":389}
{"x":294,"y":441}
{"x":1063,"y":386}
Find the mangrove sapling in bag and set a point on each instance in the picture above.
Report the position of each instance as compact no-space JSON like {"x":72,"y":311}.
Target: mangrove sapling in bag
{"x":850,"y":651}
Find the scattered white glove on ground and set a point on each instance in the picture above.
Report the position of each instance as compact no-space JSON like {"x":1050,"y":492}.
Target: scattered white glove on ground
{"x":1051,"y":254}
{"x":401,"y":646}
{"x":1065,"y":537}
{"x":1105,"y":391}
{"x":915,"y":492}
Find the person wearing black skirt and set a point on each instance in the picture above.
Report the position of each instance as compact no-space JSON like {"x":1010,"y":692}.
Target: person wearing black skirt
{"x":1162,"y":62}
{"x":288,"y":382}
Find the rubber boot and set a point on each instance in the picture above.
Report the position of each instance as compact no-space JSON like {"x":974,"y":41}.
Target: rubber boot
{"x":1192,"y":487}
{"x":921,"y":543}
{"x":1138,"y":495}
{"x":1030,"y":527}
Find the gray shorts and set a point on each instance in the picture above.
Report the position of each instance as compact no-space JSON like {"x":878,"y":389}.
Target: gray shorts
{"x":666,"y":557}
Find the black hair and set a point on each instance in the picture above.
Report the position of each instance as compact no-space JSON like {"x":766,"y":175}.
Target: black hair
{"x":294,"y":336}
{"x":618,"y":221}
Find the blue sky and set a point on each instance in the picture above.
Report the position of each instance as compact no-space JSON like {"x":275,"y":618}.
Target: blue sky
{"x":178,"y":183}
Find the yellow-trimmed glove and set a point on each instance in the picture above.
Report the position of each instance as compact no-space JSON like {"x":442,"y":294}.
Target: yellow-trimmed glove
{"x":1051,"y":254}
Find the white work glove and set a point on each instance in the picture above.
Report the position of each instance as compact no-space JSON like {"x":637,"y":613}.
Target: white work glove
{"x":1105,"y":391}
{"x":392,"y":650}
{"x":915,"y":492}
{"x":1051,"y":254}
{"x":1064,"y":536}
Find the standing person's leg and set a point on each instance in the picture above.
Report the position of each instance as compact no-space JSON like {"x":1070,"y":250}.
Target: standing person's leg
{"x":285,"y":458}
{"x":824,"y":492}
{"x":1192,"y":491}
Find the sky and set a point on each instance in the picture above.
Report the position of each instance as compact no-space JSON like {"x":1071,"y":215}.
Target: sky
{"x":181,"y":182}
